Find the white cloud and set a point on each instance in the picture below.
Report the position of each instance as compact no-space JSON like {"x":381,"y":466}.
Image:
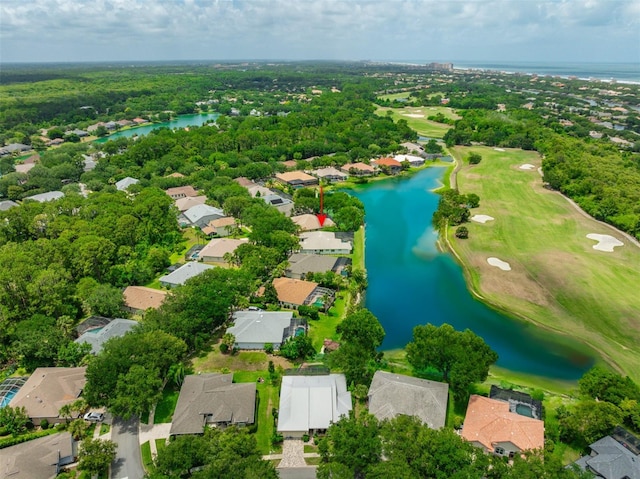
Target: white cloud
{"x":348,"y":29}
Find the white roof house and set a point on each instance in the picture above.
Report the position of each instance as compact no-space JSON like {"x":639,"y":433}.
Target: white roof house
{"x":183,"y":273}
{"x":254,"y":329}
{"x":312,"y":403}
{"x":125,"y":183}
{"x":323,"y":242}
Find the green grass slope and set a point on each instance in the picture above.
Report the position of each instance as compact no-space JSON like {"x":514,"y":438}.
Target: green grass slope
{"x":557,"y":278}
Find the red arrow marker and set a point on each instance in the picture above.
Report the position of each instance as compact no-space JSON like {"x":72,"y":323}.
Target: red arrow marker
{"x":321,"y":216}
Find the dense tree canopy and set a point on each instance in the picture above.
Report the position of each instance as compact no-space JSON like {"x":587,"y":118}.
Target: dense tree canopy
{"x":461,"y":357}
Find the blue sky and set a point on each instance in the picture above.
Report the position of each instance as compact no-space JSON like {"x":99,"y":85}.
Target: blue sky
{"x":400,"y":30}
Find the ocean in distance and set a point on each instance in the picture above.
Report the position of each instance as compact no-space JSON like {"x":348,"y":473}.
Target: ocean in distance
{"x":622,"y":72}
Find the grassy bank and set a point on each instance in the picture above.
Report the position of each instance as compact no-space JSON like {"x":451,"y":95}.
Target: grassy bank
{"x":557,"y":279}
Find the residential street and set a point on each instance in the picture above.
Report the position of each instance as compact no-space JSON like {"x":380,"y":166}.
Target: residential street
{"x":128,"y":462}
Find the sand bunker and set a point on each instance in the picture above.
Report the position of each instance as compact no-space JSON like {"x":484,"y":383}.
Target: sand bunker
{"x":605,"y":242}
{"x":527,"y":166}
{"x":499,"y":149}
{"x":413,"y":115}
{"x":482,"y":218}
{"x":498,"y":263}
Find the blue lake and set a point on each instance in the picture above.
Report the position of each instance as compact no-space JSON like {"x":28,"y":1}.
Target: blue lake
{"x":411,"y":283}
{"x":181,"y":121}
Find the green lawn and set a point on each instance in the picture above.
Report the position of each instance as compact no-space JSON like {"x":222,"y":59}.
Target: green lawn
{"x":166,"y":406}
{"x":145,"y":450}
{"x":395,"y":96}
{"x":358,"y":249}
{"x":104,"y":428}
{"x":268,"y":398}
{"x":416,"y":118}
{"x":557,"y":279}
{"x":325,"y":327}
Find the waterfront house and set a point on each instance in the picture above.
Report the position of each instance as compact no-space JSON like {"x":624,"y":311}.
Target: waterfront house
{"x":330,"y":174}
{"x":491,"y":426}
{"x":323,"y":242}
{"x":302,"y":264}
{"x":392,"y":165}
{"x":359,"y":169}
{"x":310,"y":222}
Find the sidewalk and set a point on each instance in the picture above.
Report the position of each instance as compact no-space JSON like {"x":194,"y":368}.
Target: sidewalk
{"x":151,"y":433}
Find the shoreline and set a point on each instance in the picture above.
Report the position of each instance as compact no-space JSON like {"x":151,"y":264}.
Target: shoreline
{"x":444,"y":245}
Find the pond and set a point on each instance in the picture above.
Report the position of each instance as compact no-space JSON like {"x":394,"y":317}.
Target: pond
{"x":411,"y":283}
{"x":181,"y":121}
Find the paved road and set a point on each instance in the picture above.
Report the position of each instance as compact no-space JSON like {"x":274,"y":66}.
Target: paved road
{"x":128,"y":462}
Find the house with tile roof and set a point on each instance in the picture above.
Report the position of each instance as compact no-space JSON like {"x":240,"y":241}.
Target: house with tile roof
{"x":254,"y":329}
{"x":221,"y":227}
{"x":183,"y":204}
{"x":181,"y":192}
{"x":490,"y":425}
{"x":359,"y":169}
{"x":308,"y":222}
{"x":391,"y":395}
{"x":215,"y":250}
{"x":394,"y":166}
{"x":294,"y":292}
{"x":47,"y":390}
{"x":41,"y":458}
{"x":310,"y":404}
{"x":138,"y":299}
{"x":297,"y":179}
{"x":185,"y":272}
{"x":611,"y":459}
{"x":97,"y":337}
{"x":213,"y":400}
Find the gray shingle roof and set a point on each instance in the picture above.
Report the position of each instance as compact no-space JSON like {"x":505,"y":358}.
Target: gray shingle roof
{"x":198,"y":212}
{"x":96,"y":338}
{"x":393,"y":394}
{"x":612,"y":460}
{"x":185,"y":272}
{"x":310,"y":263}
{"x":125,"y":183}
{"x":213,"y":397}
{"x":260,"y":326}
{"x":7,"y":204}
{"x":49,"y":196}
{"x":38,"y":458}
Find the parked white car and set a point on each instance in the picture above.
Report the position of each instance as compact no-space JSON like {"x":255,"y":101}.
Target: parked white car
{"x":94,"y":417}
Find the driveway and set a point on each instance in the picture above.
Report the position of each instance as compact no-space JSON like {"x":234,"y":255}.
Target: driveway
{"x":128,"y":461}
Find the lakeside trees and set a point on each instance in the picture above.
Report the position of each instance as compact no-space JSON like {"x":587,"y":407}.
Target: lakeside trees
{"x":461,"y":357}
